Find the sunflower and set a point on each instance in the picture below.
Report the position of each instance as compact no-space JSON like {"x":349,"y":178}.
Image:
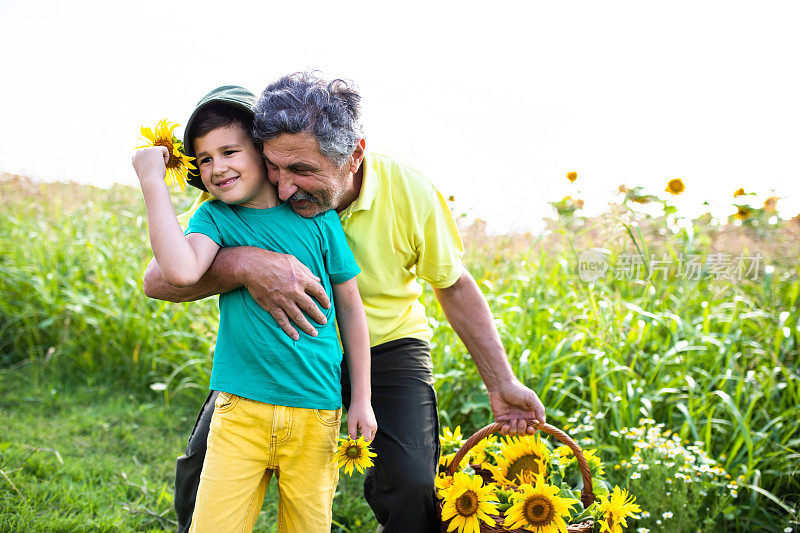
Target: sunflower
{"x":572,"y":176}
{"x":520,"y":454}
{"x":743,"y":212}
{"x":770,"y":203}
{"x":444,"y":461}
{"x":675,"y":186}
{"x":564,"y":455}
{"x":739,"y":192}
{"x":450,"y":441}
{"x":615,"y":508}
{"x":538,"y":508}
{"x":352,"y":453}
{"x":479,"y":453}
{"x":468,"y":503}
{"x":443,"y":484}
{"x":178,"y":165}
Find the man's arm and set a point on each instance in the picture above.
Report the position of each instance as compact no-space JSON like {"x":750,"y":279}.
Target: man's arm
{"x":469,"y":315}
{"x":278,"y":282}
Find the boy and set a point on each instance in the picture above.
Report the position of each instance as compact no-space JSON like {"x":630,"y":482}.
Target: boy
{"x":279,"y":404}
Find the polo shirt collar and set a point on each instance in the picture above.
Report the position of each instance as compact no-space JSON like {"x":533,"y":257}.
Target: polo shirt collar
{"x":369,"y":187}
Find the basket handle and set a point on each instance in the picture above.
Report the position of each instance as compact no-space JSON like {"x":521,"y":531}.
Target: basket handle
{"x":587,"y":495}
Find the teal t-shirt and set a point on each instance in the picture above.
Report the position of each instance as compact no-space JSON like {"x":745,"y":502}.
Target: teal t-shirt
{"x":254,"y":358}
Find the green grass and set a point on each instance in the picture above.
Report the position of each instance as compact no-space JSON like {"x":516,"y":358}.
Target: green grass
{"x":79,"y":458}
{"x":716,"y":361}
{"x":96,"y":458}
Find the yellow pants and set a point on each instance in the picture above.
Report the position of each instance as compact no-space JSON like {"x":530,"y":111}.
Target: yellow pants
{"x":247,"y":443}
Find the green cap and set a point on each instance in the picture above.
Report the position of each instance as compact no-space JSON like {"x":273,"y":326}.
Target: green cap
{"x":233,"y":95}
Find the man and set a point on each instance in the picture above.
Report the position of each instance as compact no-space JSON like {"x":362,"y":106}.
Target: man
{"x":401,"y":231}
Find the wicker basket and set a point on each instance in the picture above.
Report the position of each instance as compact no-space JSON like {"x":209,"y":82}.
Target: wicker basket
{"x":587,"y":496}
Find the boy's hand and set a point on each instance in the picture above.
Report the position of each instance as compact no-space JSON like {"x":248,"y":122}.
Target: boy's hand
{"x":361,"y":418}
{"x":151,"y":162}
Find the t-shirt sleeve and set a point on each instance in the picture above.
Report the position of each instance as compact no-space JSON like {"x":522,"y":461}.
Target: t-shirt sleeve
{"x":439,"y":246}
{"x":183,"y":218}
{"x":339,"y":259}
{"x":202,"y":221}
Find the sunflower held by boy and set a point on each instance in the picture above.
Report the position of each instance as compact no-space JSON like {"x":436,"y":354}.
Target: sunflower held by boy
{"x":179,"y":164}
{"x":353,"y":453}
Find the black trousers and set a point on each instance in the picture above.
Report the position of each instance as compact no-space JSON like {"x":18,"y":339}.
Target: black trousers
{"x":400,"y":487}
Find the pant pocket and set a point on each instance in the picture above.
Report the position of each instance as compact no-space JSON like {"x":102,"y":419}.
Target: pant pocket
{"x":328,"y":417}
{"x":225,"y":402}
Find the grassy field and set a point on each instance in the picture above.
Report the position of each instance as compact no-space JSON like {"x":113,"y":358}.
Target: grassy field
{"x":713,"y":359}
{"x":75,"y":457}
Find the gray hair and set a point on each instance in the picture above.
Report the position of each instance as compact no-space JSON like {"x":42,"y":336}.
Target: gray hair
{"x":302,"y":102}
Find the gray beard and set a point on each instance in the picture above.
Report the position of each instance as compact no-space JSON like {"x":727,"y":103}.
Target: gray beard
{"x":300,"y":196}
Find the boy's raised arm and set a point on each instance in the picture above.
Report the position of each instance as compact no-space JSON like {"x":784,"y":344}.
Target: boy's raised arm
{"x":182,"y":260}
{"x":353,"y":331}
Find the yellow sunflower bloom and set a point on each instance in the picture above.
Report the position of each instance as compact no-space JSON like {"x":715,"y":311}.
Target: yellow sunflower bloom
{"x":572,"y":176}
{"x":179,"y":164}
{"x":538,"y":508}
{"x":739,"y":192}
{"x":675,"y":186}
{"x":520,"y":454}
{"x":614,"y":509}
{"x":478,"y":454}
{"x":450,"y":441}
{"x":743,"y":212}
{"x":770,"y":204}
{"x":353,"y":453}
{"x":468,"y":503}
{"x":443,"y":484}
{"x":564,"y":455}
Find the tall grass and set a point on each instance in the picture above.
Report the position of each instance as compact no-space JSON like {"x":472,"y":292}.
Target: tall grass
{"x":715,"y":360}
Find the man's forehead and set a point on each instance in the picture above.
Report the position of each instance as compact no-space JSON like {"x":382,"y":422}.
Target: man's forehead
{"x":292,"y":145}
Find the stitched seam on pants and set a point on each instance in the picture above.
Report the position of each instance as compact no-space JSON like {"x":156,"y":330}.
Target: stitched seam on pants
{"x":249,"y":510}
{"x":281,"y":519}
{"x":289,"y":425}
{"x":272,"y":440}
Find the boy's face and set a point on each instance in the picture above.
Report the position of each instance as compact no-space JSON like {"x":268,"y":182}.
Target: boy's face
{"x":232,"y":168}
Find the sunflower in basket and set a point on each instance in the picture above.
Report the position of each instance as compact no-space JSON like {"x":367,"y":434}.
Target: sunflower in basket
{"x":568,"y":464}
{"x":538,"y":507}
{"x":530,"y":485}
{"x":451,"y":441}
{"x":518,"y":457}
{"x":468,"y":503}
{"x":481,"y":452}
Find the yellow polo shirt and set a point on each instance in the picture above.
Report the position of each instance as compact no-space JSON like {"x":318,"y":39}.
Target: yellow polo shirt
{"x":400,"y":230}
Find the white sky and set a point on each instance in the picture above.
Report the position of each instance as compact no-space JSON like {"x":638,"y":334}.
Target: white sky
{"x":494,"y":104}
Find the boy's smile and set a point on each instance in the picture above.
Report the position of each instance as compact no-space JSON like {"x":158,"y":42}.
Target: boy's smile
{"x":232,"y":168}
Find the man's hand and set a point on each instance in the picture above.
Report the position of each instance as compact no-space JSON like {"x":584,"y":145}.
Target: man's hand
{"x":278,"y":282}
{"x":286,"y":288}
{"x":513,"y":403}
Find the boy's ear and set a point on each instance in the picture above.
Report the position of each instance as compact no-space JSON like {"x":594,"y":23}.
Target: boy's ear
{"x":358,"y":155}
